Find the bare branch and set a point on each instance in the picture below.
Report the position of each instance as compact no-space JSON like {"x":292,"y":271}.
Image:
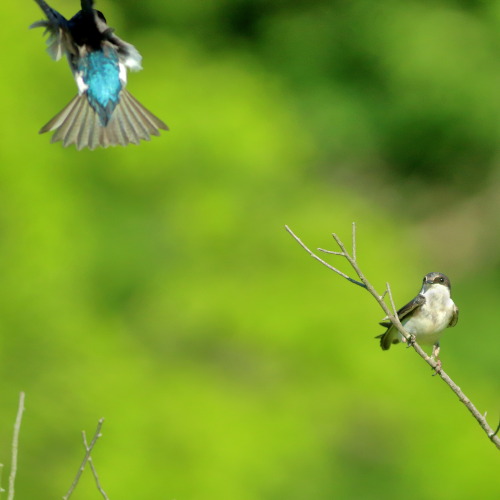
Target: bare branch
{"x":313,"y":255}
{"x":331,"y":252}
{"x":15,"y":446}
{"x":86,"y":458}
{"x":1,"y":473}
{"x":391,"y":299}
{"x":94,"y":472}
{"x":393,"y":317}
{"x":354,"y":241}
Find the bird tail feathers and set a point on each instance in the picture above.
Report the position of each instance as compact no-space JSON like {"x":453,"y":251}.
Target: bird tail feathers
{"x":391,"y":336}
{"x":78,"y":123}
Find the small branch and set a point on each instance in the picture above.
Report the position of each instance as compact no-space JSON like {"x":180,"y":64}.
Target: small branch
{"x":94,"y":472}
{"x":1,"y":474}
{"x":393,"y":317}
{"x":86,"y":458}
{"x":391,"y":299}
{"x":354,"y":241}
{"x":334,"y":269}
{"x":15,"y":446}
{"x":331,"y":252}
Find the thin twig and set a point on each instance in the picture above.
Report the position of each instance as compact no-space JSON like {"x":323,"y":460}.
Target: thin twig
{"x":406,"y":335}
{"x":331,"y":252}
{"x":86,"y":458}
{"x":92,"y":468}
{"x":354,"y":241}
{"x":1,"y":475}
{"x":334,"y":269}
{"x":392,"y":316}
{"x":391,"y":298}
{"x":15,"y":446}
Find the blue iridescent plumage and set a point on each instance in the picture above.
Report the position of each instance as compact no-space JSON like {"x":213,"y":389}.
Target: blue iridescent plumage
{"x":100,"y":72}
{"x":103,"y":113}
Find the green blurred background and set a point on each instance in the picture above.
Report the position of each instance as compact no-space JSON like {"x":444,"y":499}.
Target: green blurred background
{"x":155,"y":286}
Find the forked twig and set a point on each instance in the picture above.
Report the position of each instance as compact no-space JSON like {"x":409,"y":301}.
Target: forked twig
{"x":94,"y":472}
{"x":86,"y":458}
{"x":392,"y":316}
{"x":334,"y":269}
{"x":391,"y":299}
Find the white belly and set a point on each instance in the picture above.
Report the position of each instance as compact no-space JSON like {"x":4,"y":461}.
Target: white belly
{"x":428,"y":323}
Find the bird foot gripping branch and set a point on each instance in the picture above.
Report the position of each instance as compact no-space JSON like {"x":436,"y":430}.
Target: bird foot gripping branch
{"x":103,"y":113}
{"x":410,"y":341}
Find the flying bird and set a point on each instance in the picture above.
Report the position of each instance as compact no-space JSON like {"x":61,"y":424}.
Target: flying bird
{"x":426,"y":316}
{"x":103,"y":113}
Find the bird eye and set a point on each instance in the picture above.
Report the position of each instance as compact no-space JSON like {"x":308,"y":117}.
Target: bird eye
{"x":441,"y":280}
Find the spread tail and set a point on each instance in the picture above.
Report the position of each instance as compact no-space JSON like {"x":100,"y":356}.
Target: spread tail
{"x":78,"y":123}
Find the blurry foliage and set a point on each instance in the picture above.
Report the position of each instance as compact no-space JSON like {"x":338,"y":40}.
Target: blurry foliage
{"x":407,"y":84}
{"x":155,"y":285}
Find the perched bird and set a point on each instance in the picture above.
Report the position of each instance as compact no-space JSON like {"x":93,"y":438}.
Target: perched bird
{"x":426,"y":316}
{"x":103,"y":113}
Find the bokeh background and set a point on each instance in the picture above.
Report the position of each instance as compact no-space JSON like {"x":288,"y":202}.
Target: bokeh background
{"x":156,"y":286}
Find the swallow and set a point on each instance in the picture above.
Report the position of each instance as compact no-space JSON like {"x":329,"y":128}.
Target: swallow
{"x":103,"y":113}
{"x":426,"y":316}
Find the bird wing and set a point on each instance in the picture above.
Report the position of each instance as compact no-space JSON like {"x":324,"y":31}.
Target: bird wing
{"x":391,"y":335}
{"x":127,"y":53}
{"x":454,"y":318}
{"x":418,"y":301}
{"x":57,"y":27}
